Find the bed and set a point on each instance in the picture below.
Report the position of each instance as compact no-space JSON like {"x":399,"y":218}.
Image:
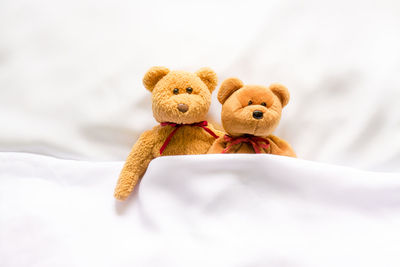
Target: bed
{"x":205,"y":210}
{"x":72,"y":105}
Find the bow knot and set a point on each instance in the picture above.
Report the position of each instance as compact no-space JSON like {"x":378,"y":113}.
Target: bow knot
{"x":202,"y":124}
{"x":257,"y":142}
{"x":173,"y":124}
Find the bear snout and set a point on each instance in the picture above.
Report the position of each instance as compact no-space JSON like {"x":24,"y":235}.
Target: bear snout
{"x":257,"y":114}
{"x":183,"y":108}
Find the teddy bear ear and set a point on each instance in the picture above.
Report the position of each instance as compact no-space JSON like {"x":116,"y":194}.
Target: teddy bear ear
{"x":209,"y":77}
{"x":281,"y":92}
{"x":153,"y":75}
{"x":227,"y":88}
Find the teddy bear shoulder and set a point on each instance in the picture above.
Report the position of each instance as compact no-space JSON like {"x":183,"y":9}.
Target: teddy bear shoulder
{"x":278,"y":146}
{"x":217,"y":132}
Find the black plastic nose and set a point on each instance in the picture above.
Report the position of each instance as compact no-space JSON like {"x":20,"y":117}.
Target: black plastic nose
{"x":257,"y":114}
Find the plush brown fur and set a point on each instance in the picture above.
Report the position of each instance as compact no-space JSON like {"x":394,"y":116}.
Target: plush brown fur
{"x":187,"y":139}
{"x":238,"y":120}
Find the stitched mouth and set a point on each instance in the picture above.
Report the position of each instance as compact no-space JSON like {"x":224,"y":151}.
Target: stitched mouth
{"x":256,"y":127}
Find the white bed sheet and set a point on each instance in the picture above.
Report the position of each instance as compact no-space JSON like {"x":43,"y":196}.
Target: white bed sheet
{"x":209,"y":210}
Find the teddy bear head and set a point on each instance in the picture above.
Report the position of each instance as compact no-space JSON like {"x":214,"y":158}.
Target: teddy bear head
{"x":179,"y":96}
{"x":251,"y":109}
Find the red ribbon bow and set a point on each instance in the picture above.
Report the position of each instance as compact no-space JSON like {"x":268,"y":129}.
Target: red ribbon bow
{"x":202,"y":124}
{"x":255,"y":141}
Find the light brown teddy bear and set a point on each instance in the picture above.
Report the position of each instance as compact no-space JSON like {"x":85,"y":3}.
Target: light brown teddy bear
{"x":250,"y":113}
{"x":180,"y":103}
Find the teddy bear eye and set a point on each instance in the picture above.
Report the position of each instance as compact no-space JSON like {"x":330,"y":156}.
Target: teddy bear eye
{"x":264,"y":104}
{"x":176,"y":91}
{"x":250,"y":102}
{"x":189,"y":90}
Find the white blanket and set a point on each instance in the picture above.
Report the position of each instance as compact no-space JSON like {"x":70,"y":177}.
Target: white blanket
{"x":210,"y":210}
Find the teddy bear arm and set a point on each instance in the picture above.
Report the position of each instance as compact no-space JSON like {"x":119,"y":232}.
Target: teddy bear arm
{"x":218,"y":146}
{"x":280,"y":147}
{"x":135,"y":165}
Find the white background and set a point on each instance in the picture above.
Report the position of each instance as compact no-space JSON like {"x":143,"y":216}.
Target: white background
{"x":70,"y":71}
